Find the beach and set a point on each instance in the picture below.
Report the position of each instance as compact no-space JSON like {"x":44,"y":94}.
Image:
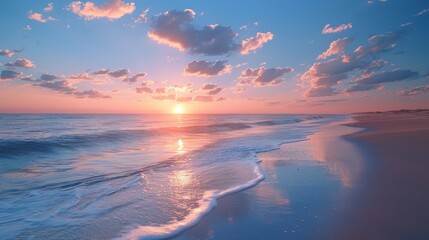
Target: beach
{"x":131,"y":176}
{"x":360,"y":176}
{"x":392,"y":202}
{"x":362,"y":179}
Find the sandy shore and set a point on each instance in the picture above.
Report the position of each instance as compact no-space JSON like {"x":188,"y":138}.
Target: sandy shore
{"x":343,"y":183}
{"x":392,"y":199}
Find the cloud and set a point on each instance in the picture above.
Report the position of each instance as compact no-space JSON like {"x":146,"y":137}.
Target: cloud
{"x":142,"y":17}
{"x":330,"y":72}
{"x":101,"y":72}
{"x":416,"y":91}
{"x":27,"y":28}
{"x":372,"y":1}
{"x":184,"y":99}
{"x":90,"y":94}
{"x":175,"y":29}
{"x":160,"y":90}
{"x":215,"y":91}
{"x":264,"y":76}
{"x":7,"y":52}
{"x":134,"y":78}
{"x":81,"y":76}
{"x":208,"y":86}
{"x":200,"y":98}
{"x":362,"y":88}
{"x":381,"y":43}
{"x":48,"y":77}
{"x":20,"y":63}
{"x":28,"y":78}
{"x":324,"y":76}
{"x":424,"y":11}
{"x":66,"y":87}
{"x":253,"y":43}
{"x":329,"y":29}
{"x":240,"y":89}
{"x":62,"y":86}
{"x":39,"y":17}
{"x":322,"y":91}
{"x":119,"y":73}
{"x":49,"y":8}
{"x":8,"y":74}
{"x":274,"y":103}
{"x":165,"y":97}
{"x":211,"y":88}
{"x":182,"y":87}
{"x":113,"y":10}
{"x":373,"y":81}
{"x":207,"y":69}
{"x":144,"y":89}
{"x":333,"y":100}
{"x":336,"y":47}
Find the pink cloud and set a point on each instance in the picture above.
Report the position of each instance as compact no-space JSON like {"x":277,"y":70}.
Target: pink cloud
{"x":165,"y":97}
{"x":142,"y":17}
{"x":184,"y":99}
{"x":200,"y":98}
{"x":262,"y":76}
{"x":329,"y":29}
{"x":336,"y":47}
{"x":49,"y":8}
{"x":7,"y":52}
{"x":134,"y":78}
{"x":144,"y":89}
{"x":112,"y":10}
{"x":161,"y":90}
{"x":253,"y":43}
{"x":215,"y":91}
{"x":208,"y":86}
{"x":20,"y":63}
{"x":39,"y":17}
{"x":175,"y":29}
{"x":92,"y":93}
{"x":415,"y":91}
{"x":324,"y":76}
{"x":207,"y":69}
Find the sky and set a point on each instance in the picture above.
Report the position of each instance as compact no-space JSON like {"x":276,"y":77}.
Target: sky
{"x":162,"y":56}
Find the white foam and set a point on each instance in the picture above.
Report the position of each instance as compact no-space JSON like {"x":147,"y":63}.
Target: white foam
{"x":206,"y":204}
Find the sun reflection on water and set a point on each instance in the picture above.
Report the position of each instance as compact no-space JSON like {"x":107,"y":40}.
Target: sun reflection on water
{"x":180,"y":146}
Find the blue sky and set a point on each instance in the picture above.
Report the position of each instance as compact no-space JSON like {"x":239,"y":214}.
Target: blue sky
{"x":69,"y":43}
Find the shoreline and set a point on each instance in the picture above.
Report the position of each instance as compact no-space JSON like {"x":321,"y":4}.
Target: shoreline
{"x":362,"y":179}
{"x":233,"y":205}
{"x":391,"y":201}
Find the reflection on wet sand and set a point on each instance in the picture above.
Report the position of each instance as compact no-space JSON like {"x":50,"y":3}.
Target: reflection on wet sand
{"x":340,"y":156}
{"x":306,"y":184}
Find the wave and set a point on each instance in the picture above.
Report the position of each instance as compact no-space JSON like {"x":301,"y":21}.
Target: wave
{"x":11,"y":148}
{"x":89,"y":181}
{"x":206,"y":204}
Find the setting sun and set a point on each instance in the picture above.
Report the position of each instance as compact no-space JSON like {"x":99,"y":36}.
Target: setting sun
{"x":179,"y":109}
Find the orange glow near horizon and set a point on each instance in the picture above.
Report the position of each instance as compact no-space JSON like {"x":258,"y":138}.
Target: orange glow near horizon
{"x":179,"y":109}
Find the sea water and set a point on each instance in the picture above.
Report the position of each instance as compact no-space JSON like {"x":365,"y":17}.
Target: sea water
{"x":130,"y":176}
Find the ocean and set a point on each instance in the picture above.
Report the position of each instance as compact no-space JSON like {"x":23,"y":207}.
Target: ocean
{"x":65,"y":176}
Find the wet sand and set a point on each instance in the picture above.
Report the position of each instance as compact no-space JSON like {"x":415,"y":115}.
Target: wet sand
{"x":392,"y":201}
{"x":343,"y":183}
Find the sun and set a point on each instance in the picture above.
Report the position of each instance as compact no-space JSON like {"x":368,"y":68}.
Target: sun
{"x":178,"y":109}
